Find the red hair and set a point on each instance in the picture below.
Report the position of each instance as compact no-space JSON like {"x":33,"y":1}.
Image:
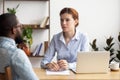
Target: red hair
{"x":71,"y":11}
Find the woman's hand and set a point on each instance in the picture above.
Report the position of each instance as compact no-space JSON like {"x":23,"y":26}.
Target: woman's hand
{"x":53,"y":66}
{"x":63,"y":64}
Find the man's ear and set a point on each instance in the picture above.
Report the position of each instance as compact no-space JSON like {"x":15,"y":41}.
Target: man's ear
{"x":13,"y":30}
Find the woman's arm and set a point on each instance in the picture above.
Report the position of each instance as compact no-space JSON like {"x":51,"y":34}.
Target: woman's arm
{"x":49,"y":54}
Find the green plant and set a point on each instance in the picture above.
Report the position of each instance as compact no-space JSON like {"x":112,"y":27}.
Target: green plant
{"x":13,"y":10}
{"x":118,"y":51}
{"x":93,"y":45}
{"x":27,"y":35}
{"x":109,"y":47}
{"x":109,"y":42}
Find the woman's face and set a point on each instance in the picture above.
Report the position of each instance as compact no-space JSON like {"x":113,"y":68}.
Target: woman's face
{"x":67,"y":22}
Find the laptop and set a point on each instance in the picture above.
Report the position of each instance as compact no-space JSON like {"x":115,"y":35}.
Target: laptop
{"x":92,"y":62}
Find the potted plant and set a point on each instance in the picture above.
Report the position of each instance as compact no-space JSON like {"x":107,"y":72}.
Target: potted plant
{"x":115,"y":54}
{"x":27,"y":40}
{"x":118,"y":51}
{"x":27,"y":35}
{"x":13,"y":10}
{"x":109,"y":47}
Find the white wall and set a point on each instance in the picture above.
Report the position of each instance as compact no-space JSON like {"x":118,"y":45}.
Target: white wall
{"x":98,"y":18}
{"x":1,"y":7}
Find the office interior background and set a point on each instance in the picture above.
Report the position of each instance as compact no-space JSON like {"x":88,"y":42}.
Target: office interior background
{"x":99,"y":19}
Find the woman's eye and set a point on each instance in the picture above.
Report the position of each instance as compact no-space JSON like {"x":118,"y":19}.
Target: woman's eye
{"x":67,"y":19}
{"x":61,"y":20}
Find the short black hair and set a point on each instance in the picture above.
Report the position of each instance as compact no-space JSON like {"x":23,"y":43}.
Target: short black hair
{"x":7,"y":22}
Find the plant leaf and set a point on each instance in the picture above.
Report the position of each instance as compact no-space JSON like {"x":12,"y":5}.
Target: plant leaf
{"x":111,"y":45}
{"x":93,"y":45}
{"x":119,"y":37}
{"x":112,"y":50}
{"x":17,"y":6}
{"x":118,"y":55}
{"x":107,"y":48}
{"x":109,"y":40}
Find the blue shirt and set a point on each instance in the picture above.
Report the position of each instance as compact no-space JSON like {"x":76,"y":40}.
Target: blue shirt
{"x":16,"y":58}
{"x":68,"y":52}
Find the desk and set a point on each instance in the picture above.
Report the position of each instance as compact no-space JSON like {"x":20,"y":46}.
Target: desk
{"x":112,"y":75}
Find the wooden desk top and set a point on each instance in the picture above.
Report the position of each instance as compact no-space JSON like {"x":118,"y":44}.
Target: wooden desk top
{"x":112,"y":75}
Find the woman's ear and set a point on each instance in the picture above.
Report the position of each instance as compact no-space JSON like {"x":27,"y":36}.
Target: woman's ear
{"x":76,"y":21}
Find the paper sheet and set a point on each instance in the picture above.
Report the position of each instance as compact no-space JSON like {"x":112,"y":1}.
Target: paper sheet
{"x":65,"y":72}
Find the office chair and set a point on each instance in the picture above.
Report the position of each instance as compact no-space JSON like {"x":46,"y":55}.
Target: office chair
{"x":7,"y":75}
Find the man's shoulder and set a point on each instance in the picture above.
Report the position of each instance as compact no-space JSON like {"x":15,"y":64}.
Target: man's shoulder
{"x":19,"y":53}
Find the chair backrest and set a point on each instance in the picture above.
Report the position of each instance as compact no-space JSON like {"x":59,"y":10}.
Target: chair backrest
{"x":7,"y":75}
{"x":2,"y":76}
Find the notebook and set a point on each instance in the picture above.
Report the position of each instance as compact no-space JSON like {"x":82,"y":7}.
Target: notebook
{"x":92,"y":62}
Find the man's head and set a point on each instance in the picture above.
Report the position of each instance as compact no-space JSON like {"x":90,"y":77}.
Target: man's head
{"x":10,"y":27}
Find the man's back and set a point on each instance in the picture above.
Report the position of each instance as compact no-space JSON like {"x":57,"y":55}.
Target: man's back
{"x":4,"y":60}
{"x":10,"y":55}
{"x":5,"y":53}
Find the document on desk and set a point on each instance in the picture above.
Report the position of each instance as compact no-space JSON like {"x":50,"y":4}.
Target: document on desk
{"x":65,"y":72}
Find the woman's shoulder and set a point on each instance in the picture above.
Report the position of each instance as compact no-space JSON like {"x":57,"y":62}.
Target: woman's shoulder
{"x":81,"y":34}
{"x":57,"y":35}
